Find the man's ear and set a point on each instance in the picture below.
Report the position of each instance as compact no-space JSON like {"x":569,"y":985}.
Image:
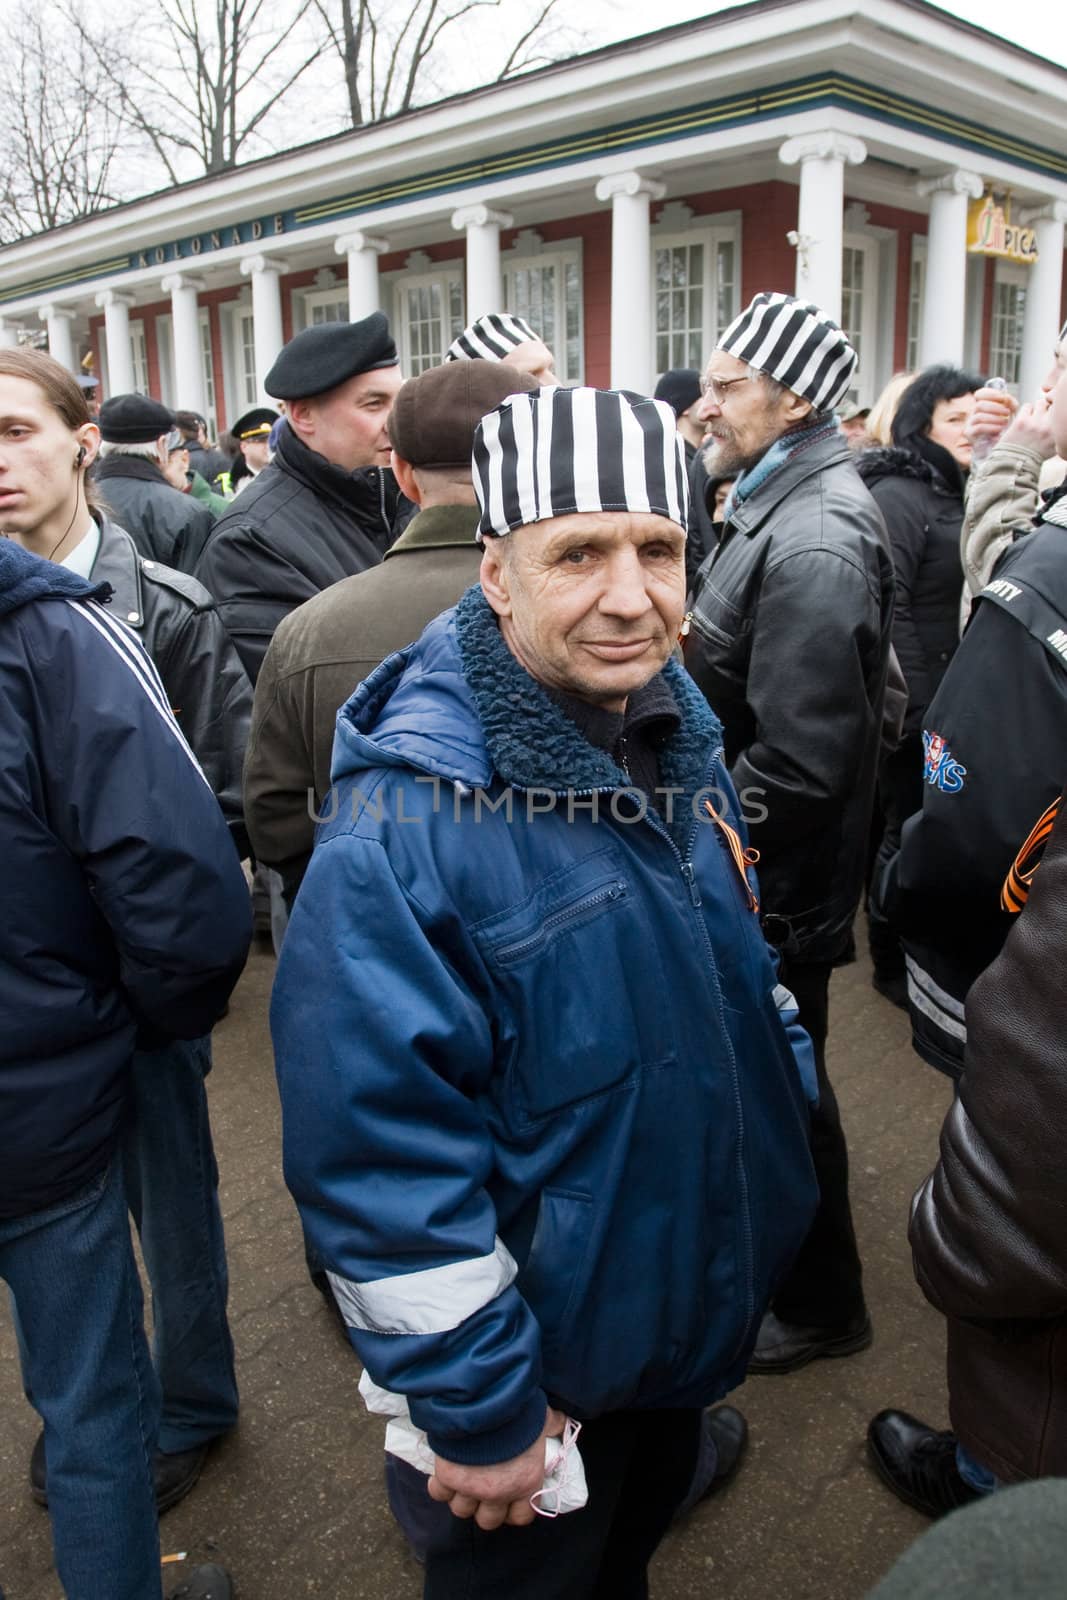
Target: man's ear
{"x":301,"y":414}
{"x":495,"y":578}
{"x":795,"y":409}
{"x":404,"y":473}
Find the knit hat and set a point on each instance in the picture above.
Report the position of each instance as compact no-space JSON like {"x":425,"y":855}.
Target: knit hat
{"x":680,"y":388}
{"x":558,"y":451}
{"x":795,"y":343}
{"x":491,"y":338}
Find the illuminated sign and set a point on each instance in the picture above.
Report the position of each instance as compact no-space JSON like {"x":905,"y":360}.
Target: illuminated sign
{"x":991,"y":232}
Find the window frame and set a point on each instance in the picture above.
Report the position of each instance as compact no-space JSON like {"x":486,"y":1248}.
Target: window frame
{"x":867,"y":387}
{"x":559,"y":255}
{"x":711,"y":231}
{"x":1013,"y":275}
{"x":443,"y":274}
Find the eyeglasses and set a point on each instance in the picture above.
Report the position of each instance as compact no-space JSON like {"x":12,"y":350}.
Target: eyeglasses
{"x":719,"y":388}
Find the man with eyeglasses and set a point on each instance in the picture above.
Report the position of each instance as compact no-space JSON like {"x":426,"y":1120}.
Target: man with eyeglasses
{"x":789,"y":640}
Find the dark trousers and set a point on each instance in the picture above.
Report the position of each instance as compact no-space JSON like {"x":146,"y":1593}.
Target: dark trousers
{"x":900,"y":795}
{"x":824,"y":1286}
{"x":638,"y":1467}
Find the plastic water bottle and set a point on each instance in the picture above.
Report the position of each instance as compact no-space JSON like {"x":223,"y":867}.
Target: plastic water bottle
{"x":981,"y":447}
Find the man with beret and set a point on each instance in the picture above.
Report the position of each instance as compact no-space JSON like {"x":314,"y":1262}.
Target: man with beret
{"x":789,"y":640}
{"x":165,"y":525}
{"x":326,"y":647}
{"x":327,"y":506}
{"x":252,"y":431}
{"x":499,"y":336}
{"x":543,"y":1100}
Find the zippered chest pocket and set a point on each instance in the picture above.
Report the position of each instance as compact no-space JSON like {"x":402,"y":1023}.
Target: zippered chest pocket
{"x":580,"y":989}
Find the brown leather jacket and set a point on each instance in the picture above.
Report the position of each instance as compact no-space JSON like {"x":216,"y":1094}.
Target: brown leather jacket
{"x":989,"y":1226}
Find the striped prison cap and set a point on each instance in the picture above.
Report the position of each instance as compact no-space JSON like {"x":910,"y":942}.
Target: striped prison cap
{"x":491,"y":338}
{"x":558,"y":451}
{"x":794,"y":342}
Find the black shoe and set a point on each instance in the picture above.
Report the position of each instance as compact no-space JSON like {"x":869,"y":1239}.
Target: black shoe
{"x":204,"y":1583}
{"x":786,"y":1347}
{"x":723,"y":1437}
{"x":175,"y":1474}
{"x":917,"y":1463}
{"x":893,"y":986}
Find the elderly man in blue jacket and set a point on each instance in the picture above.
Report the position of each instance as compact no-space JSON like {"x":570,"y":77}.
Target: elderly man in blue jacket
{"x":543,"y":1104}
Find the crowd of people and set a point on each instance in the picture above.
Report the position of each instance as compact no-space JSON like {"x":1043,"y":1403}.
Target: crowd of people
{"x":564,"y":733}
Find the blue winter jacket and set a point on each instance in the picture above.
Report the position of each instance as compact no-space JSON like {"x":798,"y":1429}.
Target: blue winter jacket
{"x":541,"y":1115}
{"x":125,"y":910}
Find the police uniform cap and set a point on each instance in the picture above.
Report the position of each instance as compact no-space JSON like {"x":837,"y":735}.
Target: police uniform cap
{"x":434,"y":416}
{"x":133,"y":419}
{"x":255,"y":424}
{"x":329,"y":354}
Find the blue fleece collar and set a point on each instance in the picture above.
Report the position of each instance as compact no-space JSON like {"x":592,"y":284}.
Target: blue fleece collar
{"x":25,"y":577}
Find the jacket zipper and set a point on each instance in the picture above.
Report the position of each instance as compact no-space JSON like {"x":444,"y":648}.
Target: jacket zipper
{"x":612,"y":891}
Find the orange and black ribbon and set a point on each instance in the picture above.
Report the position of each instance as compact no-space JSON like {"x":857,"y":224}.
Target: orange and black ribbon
{"x":742,"y":857}
{"x":1016,"y":890}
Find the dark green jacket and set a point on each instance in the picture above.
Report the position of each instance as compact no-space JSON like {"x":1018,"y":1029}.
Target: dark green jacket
{"x":320,"y":653}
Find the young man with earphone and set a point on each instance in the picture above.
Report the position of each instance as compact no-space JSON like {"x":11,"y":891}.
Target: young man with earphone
{"x":47,"y":444}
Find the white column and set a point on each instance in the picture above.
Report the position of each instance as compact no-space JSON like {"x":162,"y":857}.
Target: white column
{"x":9,"y":336}
{"x":185,"y":325}
{"x":944,"y":312}
{"x":631,"y":194}
{"x":265,"y":274}
{"x":820,"y":230}
{"x":364,"y":290}
{"x":60,"y":338}
{"x":116,"y":308}
{"x":1044,"y":291}
{"x":485,"y":287}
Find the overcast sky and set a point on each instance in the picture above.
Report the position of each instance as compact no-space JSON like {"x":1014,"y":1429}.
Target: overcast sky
{"x":1035,"y":24}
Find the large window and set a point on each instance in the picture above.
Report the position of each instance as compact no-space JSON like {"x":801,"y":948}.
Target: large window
{"x":917,"y":285}
{"x":430,"y":315}
{"x":859,"y":311}
{"x":139,"y":357}
{"x":208,"y":369}
{"x":546,"y":289}
{"x":325,"y":305}
{"x":1006,"y":327}
{"x":247,"y":391}
{"x":696,"y":289}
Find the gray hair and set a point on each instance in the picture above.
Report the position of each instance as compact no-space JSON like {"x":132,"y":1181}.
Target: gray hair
{"x":147,"y":450}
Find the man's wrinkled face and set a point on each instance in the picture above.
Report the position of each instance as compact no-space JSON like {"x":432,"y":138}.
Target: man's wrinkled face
{"x":534,"y":357}
{"x":347,"y":425}
{"x":591,"y":603}
{"x":742,"y":416}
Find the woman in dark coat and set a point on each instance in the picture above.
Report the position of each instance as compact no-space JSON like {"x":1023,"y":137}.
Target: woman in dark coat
{"x":919,"y":485}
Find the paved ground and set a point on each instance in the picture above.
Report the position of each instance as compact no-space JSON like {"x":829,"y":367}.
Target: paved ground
{"x":294,"y":1502}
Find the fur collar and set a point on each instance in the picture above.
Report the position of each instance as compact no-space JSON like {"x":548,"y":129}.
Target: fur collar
{"x":532,"y":742}
{"x":893,"y":462}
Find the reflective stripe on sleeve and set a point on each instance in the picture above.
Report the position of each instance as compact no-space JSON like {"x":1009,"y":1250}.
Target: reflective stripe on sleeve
{"x":433,"y":1301}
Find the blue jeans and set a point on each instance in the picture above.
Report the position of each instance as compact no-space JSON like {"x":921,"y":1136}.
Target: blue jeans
{"x":172,"y":1184}
{"x":87,"y":1371}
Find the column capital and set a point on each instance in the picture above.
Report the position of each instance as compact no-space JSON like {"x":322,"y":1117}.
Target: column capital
{"x":261,"y":263}
{"x":828,"y":145}
{"x":480,"y":216}
{"x":180,"y":280}
{"x":352,"y":243}
{"x":959,"y":181}
{"x":629,"y":183}
{"x":1051,"y":211}
{"x":113,"y":297}
{"x":48,"y":312}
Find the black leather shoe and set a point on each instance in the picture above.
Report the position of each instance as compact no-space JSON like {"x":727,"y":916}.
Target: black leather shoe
{"x":917,"y":1463}
{"x":786,"y":1347}
{"x":175,"y":1474}
{"x":723,"y":1437}
{"x":204,"y":1583}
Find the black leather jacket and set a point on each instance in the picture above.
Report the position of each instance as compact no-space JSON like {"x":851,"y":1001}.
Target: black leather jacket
{"x":163,"y":523}
{"x":201,"y":671}
{"x":301,"y":526}
{"x":789,"y":641}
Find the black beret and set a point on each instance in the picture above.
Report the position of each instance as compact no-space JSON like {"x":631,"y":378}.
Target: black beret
{"x":133,"y":419}
{"x":328,"y":354}
{"x":254,"y":424}
{"x":680,"y":388}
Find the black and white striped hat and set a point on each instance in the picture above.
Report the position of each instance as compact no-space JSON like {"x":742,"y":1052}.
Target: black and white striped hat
{"x":794,"y":342}
{"x":558,"y":451}
{"x":491,"y":338}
